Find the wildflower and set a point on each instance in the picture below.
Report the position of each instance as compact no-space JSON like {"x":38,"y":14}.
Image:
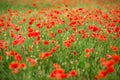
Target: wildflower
{"x":116,"y":58}
{"x":53,"y":50}
{"x":67,"y":44}
{"x":46,"y":42}
{"x":102,"y":74}
{"x":108,"y":56}
{"x":22,"y":65}
{"x":18,"y":40}
{"x":72,"y":73}
{"x":12,"y":53}
{"x":18,"y":57}
{"x":58,"y":74}
{"x":59,"y":30}
{"x":109,"y":63}
{"x":38,"y":25}
{"x":55,"y":65}
{"x":2,"y":44}
{"x":32,"y":61}
{"x":114,"y":48}
{"x":102,"y":60}
{"x":30,"y":48}
{"x":45,"y":55}
{"x":87,"y":55}
{"x":14,"y":66}
{"x":110,"y":69}
{"x":0,"y":58}
{"x":74,"y":53}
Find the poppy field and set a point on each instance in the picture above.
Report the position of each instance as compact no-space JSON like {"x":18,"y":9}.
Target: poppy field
{"x":59,"y":39}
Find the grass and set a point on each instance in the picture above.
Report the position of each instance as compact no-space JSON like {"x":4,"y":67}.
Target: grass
{"x":86,"y":67}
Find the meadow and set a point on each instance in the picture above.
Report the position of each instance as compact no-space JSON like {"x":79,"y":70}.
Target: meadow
{"x":59,"y":39}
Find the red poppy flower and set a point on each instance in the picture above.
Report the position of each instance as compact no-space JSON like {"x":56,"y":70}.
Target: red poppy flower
{"x":72,"y":73}
{"x":55,"y":65}
{"x":53,"y":50}
{"x":33,"y":34}
{"x":17,"y":28}
{"x":2,"y":44}
{"x":108,"y":56}
{"x":102,"y":60}
{"x":67,"y":44}
{"x":59,"y":30}
{"x":110,"y":69}
{"x":18,"y":57}
{"x":84,"y":36}
{"x":51,"y":34}
{"x":38,"y":25}
{"x":87,"y":55}
{"x":114,"y":48}
{"x":73,"y":23}
{"x":14,"y":65}
{"x":12,"y":34}
{"x":12,"y":53}
{"x":87,"y":50}
{"x":58,"y":74}
{"x":74,"y":53}
{"x":18,"y":40}
{"x":45,"y":55}
{"x":22,"y":65}
{"x":0,"y":58}
{"x":31,"y":48}
{"x":34,"y":5}
{"x":72,"y":38}
{"x":1,"y":22}
{"x":46,"y":42}
{"x":102,"y":74}
{"x":116,"y":58}
{"x":109,"y":63}
{"x":32,"y":61}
